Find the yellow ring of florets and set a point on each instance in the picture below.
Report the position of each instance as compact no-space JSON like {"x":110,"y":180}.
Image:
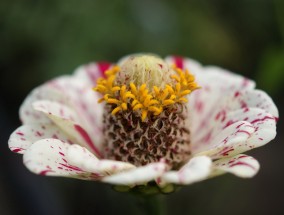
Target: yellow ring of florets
{"x":138,"y":98}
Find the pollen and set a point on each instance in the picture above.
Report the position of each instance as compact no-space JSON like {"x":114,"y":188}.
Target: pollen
{"x":145,"y":85}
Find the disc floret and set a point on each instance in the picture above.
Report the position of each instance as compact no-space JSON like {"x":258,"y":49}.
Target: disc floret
{"x":145,"y":118}
{"x":123,"y":89}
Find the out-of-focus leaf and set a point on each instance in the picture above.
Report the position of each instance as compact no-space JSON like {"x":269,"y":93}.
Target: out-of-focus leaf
{"x":270,"y":76}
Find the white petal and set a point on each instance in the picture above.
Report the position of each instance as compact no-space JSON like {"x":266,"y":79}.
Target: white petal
{"x":68,"y":121}
{"x":74,"y":93}
{"x":258,"y":129}
{"x":220,"y":78}
{"x":229,"y":140}
{"x":85,"y":160}
{"x":48,"y":157}
{"x":91,"y":72}
{"x":24,"y":136}
{"x":138,"y":176}
{"x":197,"y":169}
{"x":240,"y":165}
{"x":214,"y":106}
{"x":84,"y":102}
{"x":55,"y":109}
{"x":230,"y":113}
{"x":226,"y":80}
{"x":253,"y":99}
{"x":46,"y":91}
{"x":90,"y":112}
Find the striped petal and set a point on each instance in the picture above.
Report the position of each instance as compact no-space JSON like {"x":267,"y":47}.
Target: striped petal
{"x":85,"y":160}
{"x":254,"y":106}
{"x":24,"y":136}
{"x":89,"y":73}
{"x":68,"y":121}
{"x":48,"y":157}
{"x":243,"y":166}
{"x":47,"y":91}
{"x":84,"y":102}
{"x":241,"y":136}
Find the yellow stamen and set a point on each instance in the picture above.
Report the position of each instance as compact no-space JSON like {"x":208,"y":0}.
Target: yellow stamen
{"x":170,"y":89}
{"x":134,"y":103}
{"x":153,"y":101}
{"x":115,"y":110}
{"x":182,"y":100}
{"x":156,"y":90}
{"x":138,"y":106}
{"x":154,"y":109}
{"x":147,"y":100}
{"x":140,"y":97}
{"x":185,"y":92}
{"x":115,"y":89}
{"x":129,"y":95}
{"x":113,"y":101}
{"x":101,"y":100}
{"x":144,"y":115}
{"x":168,"y":102}
{"x":142,"y":88}
{"x":178,"y":87}
{"x":164,"y":94}
{"x":133,"y":88}
{"x":106,"y":96}
{"x":124,"y":106}
{"x":175,"y":77}
{"x":158,"y":111}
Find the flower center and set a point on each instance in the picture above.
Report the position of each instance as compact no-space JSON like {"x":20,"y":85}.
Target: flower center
{"x":145,"y":117}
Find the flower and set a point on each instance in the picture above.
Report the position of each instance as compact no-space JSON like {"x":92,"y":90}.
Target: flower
{"x":151,"y":128}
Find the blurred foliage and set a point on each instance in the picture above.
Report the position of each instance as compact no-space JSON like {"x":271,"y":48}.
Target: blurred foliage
{"x":271,"y":71}
{"x":271,"y":67}
{"x":42,"y":39}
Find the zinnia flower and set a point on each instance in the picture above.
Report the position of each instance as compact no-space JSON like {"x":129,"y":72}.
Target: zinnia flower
{"x":158,"y":122}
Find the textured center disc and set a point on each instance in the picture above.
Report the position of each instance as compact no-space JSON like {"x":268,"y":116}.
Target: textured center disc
{"x":129,"y":139}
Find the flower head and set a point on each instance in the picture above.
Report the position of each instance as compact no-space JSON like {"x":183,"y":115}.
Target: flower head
{"x":146,"y":117}
{"x":149,"y":127}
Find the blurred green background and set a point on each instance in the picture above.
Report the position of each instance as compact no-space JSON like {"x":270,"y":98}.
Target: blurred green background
{"x":43,"y":39}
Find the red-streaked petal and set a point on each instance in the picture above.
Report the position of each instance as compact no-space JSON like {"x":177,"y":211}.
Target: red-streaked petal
{"x":24,"y":136}
{"x":229,"y":141}
{"x":89,"y":73}
{"x":140,"y":175}
{"x":218,"y":77}
{"x":72,"y":92}
{"x":253,"y":106}
{"x":48,"y":157}
{"x":83,"y":101}
{"x":68,"y":121}
{"x":56,"y":109}
{"x":90,"y":112}
{"x":82,"y":158}
{"x":251,"y":99}
{"x":240,"y":165}
{"x":46,"y":91}
{"x":197,"y":169}
{"x":241,"y":136}
{"x":221,"y":93}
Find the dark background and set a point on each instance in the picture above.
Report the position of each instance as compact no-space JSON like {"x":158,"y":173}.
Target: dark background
{"x":40,"y":40}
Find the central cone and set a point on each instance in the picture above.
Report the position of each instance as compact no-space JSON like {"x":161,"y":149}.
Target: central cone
{"x":158,"y":135}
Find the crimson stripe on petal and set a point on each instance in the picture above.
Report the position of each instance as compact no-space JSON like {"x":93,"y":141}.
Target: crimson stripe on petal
{"x":179,"y":62}
{"x":87,"y":139}
{"x":103,"y":66}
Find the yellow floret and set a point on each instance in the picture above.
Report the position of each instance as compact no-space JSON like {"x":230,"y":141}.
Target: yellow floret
{"x":141,"y":99}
